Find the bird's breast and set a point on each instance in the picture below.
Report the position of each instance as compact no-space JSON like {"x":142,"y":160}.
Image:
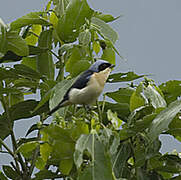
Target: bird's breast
{"x":91,"y":92}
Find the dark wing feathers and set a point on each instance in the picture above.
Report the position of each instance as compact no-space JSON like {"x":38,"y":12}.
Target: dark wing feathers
{"x":80,"y":83}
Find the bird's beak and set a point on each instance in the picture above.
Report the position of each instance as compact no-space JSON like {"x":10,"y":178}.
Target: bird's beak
{"x":112,"y":66}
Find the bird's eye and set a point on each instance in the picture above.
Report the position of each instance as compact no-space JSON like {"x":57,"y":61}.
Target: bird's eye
{"x":103,"y":66}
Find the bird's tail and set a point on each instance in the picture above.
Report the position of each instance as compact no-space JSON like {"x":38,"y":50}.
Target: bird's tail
{"x":61,"y":104}
{"x":54,"y":109}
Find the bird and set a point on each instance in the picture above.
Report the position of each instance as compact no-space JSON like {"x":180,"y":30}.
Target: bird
{"x":88,"y":86}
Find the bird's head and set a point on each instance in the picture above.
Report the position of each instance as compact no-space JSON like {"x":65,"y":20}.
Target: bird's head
{"x":100,"y":65}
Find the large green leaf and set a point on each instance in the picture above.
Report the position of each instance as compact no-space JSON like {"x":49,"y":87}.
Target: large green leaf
{"x":85,"y":38}
{"x":104,"y":29}
{"x":162,"y":120}
{"x":74,"y":17}
{"x":26,"y":71}
{"x":4,"y":126}
{"x":109,"y":55}
{"x":3,"y":39}
{"x":2,"y":176}
{"x":30,"y":62}
{"x":16,"y":44}
{"x":58,"y":93}
{"x":124,"y":77}
{"x":45,"y":39}
{"x":122,"y":95}
{"x":100,"y":167}
{"x":137,"y":99}
{"x":171,"y":90}
{"x":167,"y":163}
{"x":58,"y":133}
{"x":29,"y":19}
{"x":154,"y":97}
{"x":45,"y":63}
{"x":27,"y":148}
{"x":120,"y":166}
{"x":18,"y":111}
{"x":122,"y":110}
{"x":116,"y":122}
{"x":105,"y":17}
{"x":77,"y":62}
{"x":10,"y":173}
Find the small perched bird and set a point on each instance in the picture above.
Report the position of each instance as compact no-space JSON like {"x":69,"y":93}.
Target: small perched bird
{"x":88,"y":86}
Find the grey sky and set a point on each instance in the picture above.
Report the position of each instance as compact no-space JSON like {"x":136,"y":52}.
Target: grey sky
{"x":149,"y":37}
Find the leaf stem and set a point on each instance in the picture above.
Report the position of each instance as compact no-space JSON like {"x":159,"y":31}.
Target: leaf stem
{"x":36,"y":151}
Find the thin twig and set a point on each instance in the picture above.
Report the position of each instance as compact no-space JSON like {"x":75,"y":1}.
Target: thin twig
{"x":99,"y":111}
{"x":7,"y":148}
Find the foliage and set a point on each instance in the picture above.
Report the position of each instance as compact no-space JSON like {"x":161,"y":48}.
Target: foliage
{"x":116,"y":140}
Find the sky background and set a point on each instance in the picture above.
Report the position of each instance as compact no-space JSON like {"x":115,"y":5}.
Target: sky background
{"x":149,"y":38}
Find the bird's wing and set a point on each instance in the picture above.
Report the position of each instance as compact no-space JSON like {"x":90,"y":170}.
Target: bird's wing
{"x":80,"y":83}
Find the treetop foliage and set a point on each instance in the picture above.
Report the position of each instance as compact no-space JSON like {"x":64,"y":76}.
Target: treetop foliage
{"x":119,"y":139}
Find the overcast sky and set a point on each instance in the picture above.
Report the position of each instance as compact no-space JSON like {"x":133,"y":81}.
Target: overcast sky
{"x":149,"y":38}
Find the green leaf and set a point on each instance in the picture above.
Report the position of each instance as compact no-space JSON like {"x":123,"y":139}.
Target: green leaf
{"x":2,"y":176}
{"x":96,"y":47}
{"x":74,"y":17}
{"x":171,"y":90}
{"x":27,"y":148}
{"x":137,"y":99}
{"x":45,"y":151}
{"x":35,"y":127}
{"x":62,"y":150}
{"x":44,"y":100}
{"x":29,"y":19}
{"x":105,"y":17}
{"x":10,"y":56}
{"x":23,"y":109}
{"x":18,"y":111}
{"x":46,"y":174}
{"x":100,"y":167}
{"x":65,"y":166}
{"x":122,"y":110}
{"x":85,"y":38}
{"x":104,"y":29}
{"x":124,"y":77}
{"x":45,"y":39}
{"x":10,"y":173}
{"x":45,"y":65}
{"x":166,"y":163}
{"x":116,"y":122}
{"x":58,"y":133}
{"x":7,"y":74}
{"x":119,"y":161}
{"x":17,"y":44}
{"x":123,"y":95}
{"x":77,"y":55}
{"x":80,"y":66}
{"x":32,"y":39}
{"x":40,"y":163}
{"x":3,"y":38}
{"x":154,"y":97}
{"x":30,"y":62}
{"x":58,"y":93}
{"x":9,"y":90}
{"x":4,"y":126}
{"x":109,"y":55}
{"x":162,"y":120}
{"x":81,"y":145}
{"x":26,"y":71}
